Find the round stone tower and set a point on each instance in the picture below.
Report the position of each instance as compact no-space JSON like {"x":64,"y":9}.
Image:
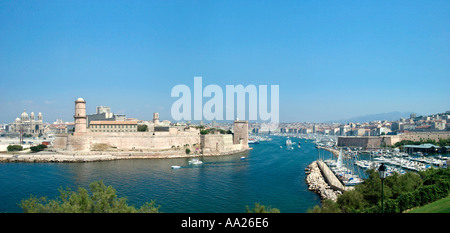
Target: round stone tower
{"x":80,"y":116}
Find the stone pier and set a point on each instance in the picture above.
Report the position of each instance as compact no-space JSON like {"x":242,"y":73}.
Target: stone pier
{"x":317,"y":183}
{"x":330,"y":178}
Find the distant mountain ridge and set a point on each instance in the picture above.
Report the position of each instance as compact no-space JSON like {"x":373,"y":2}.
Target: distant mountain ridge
{"x":390,"y":116}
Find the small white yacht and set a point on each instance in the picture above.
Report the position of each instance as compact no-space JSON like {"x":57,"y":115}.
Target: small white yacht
{"x":195,"y":162}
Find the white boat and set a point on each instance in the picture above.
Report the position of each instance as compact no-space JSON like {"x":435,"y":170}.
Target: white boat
{"x":243,"y":158}
{"x":288,"y":142}
{"x":253,"y":141}
{"x":353,"y":181}
{"x":330,"y":163}
{"x":176,"y":167}
{"x":195,"y":162}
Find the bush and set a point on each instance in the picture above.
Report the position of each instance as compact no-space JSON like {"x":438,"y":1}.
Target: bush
{"x":204,"y":131}
{"x":142,"y":128}
{"x":14,"y":148}
{"x":38,"y":148}
{"x":188,"y":151}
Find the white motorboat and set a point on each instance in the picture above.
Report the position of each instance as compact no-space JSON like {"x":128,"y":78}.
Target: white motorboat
{"x":353,"y":181}
{"x":195,"y":162}
{"x":176,"y":167}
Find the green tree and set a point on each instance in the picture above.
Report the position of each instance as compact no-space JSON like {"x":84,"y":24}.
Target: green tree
{"x":204,"y":131}
{"x":142,"y":128}
{"x":371,"y":188}
{"x":258,"y":208}
{"x":14,"y":148}
{"x":101,"y":199}
{"x":350,"y":201}
{"x":188,"y":151}
{"x":38,"y":148}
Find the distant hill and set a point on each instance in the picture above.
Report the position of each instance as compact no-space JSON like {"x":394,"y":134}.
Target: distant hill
{"x":390,"y":116}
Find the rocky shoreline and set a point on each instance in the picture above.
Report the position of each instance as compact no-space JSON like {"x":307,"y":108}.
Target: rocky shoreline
{"x":317,"y":183}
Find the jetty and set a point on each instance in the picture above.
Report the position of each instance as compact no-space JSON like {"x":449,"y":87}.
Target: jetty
{"x":330,"y":178}
{"x":322,"y":180}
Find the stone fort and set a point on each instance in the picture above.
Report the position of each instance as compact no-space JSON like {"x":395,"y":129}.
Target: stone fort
{"x":122,"y":136}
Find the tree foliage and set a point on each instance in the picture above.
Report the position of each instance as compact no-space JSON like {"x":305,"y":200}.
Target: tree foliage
{"x":142,"y":128}
{"x":100,"y":199}
{"x":258,"y":208}
{"x":14,"y":148}
{"x":38,"y":148}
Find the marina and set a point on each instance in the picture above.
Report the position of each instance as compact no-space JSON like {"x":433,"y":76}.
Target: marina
{"x":349,"y":165}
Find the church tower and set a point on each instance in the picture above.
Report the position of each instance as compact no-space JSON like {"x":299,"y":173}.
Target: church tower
{"x":80,"y":116}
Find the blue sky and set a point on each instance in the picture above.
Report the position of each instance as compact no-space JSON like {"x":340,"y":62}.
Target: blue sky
{"x":331,"y":59}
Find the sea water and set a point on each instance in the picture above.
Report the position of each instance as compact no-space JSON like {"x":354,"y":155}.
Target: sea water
{"x":269,"y":175}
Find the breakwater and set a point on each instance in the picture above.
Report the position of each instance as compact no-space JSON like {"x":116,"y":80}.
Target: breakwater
{"x":317,"y":183}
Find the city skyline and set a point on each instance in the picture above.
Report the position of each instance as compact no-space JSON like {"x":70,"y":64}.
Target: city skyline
{"x":331,"y":60}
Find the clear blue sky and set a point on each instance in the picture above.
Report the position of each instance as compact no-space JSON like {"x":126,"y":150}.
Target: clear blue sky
{"x":331,"y":59}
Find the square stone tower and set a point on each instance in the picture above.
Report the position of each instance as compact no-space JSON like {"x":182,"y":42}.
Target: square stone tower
{"x":240,"y":129}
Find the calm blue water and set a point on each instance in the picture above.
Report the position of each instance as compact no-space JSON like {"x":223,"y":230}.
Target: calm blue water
{"x":270,"y":175}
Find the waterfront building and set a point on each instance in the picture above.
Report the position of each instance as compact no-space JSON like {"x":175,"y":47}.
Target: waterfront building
{"x":438,"y":125}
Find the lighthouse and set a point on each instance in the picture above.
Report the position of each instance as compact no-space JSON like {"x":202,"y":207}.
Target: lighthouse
{"x":80,"y":116}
